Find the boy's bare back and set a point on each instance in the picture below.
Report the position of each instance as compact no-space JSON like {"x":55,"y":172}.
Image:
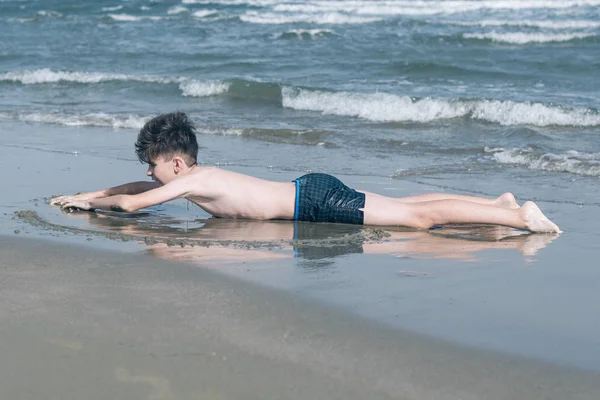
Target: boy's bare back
{"x":228,"y":194}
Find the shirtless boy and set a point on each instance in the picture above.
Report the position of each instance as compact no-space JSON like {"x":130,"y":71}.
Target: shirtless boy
{"x":167,"y":143}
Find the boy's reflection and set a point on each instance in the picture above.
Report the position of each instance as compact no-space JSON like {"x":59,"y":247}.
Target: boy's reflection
{"x":236,"y":240}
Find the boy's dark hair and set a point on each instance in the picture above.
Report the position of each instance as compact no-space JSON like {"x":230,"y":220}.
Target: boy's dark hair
{"x":165,"y":136}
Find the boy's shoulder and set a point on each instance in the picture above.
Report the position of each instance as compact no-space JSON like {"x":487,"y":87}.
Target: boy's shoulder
{"x":205,"y":175}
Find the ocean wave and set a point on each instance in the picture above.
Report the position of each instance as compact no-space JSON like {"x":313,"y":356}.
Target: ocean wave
{"x":217,"y":131}
{"x":379,"y":107}
{"x":255,"y":17}
{"x":573,"y":162}
{"x":188,"y":86}
{"x":194,"y":88}
{"x":382,"y":107}
{"x":525,"y":38}
{"x":304,"y":34}
{"x":204,"y":13}
{"x":133,"y":18}
{"x":256,"y":3}
{"x":288,"y":136}
{"x":49,"y":14}
{"x":305,"y":137}
{"x":115,"y":121}
{"x":310,"y":11}
{"x":115,"y":8}
{"x":46,"y":75}
{"x":407,"y":7}
{"x":177,"y":10}
{"x":40,"y":16}
{"x":555,"y":25}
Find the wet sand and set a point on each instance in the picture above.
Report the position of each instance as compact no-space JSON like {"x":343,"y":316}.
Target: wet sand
{"x":82,"y":323}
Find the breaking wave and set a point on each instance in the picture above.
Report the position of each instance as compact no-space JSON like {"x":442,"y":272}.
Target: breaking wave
{"x":203,"y":89}
{"x":565,"y":24}
{"x":383,"y":107}
{"x":525,"y":38}
{"x":46,"y":75}
{"x":321,"y":18}
{"x":573,"y":162}
{"x":402,"y":7}
{"x":133,"y":18}
{"x":188,"y":86}
{"x":115,"y":121}
{"x":177,"y":10}
{"x":304,"y":34}
{"x":378,"y":107}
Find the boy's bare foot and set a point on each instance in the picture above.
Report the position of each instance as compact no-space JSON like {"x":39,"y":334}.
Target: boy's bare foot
{"x":507,"y":200}
{"x":535,"y":220}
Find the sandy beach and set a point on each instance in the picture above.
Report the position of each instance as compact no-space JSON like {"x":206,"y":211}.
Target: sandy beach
{"x":82,"y":323}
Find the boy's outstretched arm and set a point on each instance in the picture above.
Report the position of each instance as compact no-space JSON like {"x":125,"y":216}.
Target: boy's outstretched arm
{"x":125,"y":202}
{"x":128,"y":188}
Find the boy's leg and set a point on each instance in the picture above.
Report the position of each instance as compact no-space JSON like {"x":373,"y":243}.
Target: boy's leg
{"x":506,"y":200}
{"x":381,"y":210}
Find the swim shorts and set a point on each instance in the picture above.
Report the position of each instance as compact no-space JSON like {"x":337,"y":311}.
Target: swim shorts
{"x":324,"y":198}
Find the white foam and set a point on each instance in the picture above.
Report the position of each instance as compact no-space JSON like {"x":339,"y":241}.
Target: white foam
{"x":177,"y":10}
{"x":301,"y":34}
{"x":22,"y":20}
{"x":375,"y":107}
{"x":204,"y":13}
{"x":381,"y":7}
{"x":128,"y":121}
{"x":195,"y":88}
{"x":586,"y":164}
{"x":513,"y":113}
{"x":366,"y":11}
{"x":556,"y":25}
{"x":206,"y":130}
{"x":382,"y":107}
{"x":115,"y":8}
{"x":49,"y":13}
{"x":525,"y":38}
{"x":257,"y":3}
{"x":371,"y":9}
{"x":132,"y":18}
{"x":189,"y":87}
{"x":325,"y":18}
{"x":46,"y":75}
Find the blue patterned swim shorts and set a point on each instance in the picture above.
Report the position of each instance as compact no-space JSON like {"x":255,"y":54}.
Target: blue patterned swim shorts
{"x":324,"y":198}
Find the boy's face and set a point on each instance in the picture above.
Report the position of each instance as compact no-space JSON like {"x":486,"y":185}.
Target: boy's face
{"x":161,"y":170}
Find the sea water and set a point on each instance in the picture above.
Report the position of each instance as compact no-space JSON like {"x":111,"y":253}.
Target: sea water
{"x":404,"y":89}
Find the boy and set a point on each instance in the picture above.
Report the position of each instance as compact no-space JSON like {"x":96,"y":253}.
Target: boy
{"x":167,"y":143}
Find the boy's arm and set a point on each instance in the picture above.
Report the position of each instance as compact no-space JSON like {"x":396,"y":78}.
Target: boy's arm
{"x":128,"y":188}
{"x":124,"y":202}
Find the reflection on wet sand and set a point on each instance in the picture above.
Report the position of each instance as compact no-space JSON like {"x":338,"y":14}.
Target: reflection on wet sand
{"x":159,"y":385}
{"x":235,"y":240}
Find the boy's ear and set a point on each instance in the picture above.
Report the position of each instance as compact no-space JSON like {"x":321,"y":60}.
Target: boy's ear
{"x":178,"y":164}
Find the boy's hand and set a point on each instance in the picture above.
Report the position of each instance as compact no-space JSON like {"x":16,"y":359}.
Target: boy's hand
{"x":60,"y":200}
{"x":71,"y":204}
{"x":76,"y":205}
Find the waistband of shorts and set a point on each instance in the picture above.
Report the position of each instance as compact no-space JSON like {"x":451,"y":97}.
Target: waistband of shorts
{"x":297,"y":203}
